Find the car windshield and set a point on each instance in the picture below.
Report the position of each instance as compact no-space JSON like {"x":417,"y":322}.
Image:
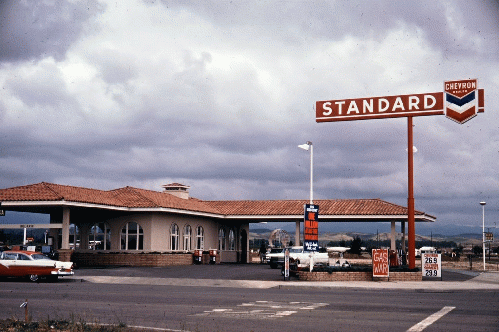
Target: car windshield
{"x":39,"y":256}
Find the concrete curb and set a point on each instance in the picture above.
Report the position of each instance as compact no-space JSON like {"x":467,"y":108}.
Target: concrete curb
{"x":481,"y":281}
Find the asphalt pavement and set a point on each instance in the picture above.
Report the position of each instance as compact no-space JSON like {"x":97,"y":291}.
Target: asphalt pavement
{"x":262,"y":276}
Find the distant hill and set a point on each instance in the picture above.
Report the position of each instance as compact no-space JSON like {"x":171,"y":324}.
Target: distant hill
{"x":461,"y":239}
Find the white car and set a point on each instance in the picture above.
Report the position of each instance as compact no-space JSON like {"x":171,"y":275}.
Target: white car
{"x":33,"y":265}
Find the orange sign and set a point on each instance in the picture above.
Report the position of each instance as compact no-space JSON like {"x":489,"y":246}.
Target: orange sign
{"x":311,"y":228}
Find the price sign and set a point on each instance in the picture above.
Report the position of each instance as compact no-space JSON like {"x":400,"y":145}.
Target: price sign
{"x":489,"y":237}
{"x":431,"y":265}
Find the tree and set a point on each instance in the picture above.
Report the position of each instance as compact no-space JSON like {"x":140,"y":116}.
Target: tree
{"x":355,"y":246}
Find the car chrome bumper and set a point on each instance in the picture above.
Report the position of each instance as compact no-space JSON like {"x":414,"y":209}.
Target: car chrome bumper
{"x":62,"y":273}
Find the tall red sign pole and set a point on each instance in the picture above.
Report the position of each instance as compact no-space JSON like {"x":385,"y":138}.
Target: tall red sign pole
{"x":460,"y":101}
{"x":411,"y":232}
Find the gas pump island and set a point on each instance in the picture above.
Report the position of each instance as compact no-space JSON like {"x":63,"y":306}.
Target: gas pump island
{"x":460,"y":101}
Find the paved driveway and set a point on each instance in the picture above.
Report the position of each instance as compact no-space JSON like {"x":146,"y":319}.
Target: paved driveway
{"x":220,"y":271}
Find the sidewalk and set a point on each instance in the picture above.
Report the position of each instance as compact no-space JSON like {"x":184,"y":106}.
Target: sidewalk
{"x":261,"y":277}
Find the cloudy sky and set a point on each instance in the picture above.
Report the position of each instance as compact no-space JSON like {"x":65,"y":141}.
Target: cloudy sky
{"x":218,"y":94}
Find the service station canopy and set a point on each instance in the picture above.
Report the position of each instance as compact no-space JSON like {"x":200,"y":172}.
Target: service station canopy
{"x":460,"y":101}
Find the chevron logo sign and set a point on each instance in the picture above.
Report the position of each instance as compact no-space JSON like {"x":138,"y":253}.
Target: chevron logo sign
{"x":461,"y":100}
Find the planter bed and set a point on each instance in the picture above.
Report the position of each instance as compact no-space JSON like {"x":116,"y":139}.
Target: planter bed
{"x":357,"y":273}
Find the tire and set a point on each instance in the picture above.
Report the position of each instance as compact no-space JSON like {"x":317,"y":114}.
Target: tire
{"x":33,"y":277}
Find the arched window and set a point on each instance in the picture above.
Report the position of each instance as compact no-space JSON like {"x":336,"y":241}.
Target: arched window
{"x":232,"y":240}
{"x":174,"y":237}
{"x":99,"y":237}
{"x":132,"y":237}
{"x":74,"y":236}
{"x":200,"y":238}
{"x":221,"y":239}
{"x":187,"y":237}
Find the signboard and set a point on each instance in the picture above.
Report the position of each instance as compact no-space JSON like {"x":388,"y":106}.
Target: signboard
{"x":311,"y":228}
{"x":431,"y":265}
{"x":489,"y":237}
{"x":380,"y":263}
{"x":462,"y":102}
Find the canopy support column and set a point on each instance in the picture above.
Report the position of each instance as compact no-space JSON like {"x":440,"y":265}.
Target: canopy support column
{"x":65,"y":228}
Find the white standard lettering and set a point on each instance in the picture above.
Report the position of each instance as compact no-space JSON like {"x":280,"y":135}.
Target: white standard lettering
{"x":381,"y":108}
{"x":326,"y":107}
{"x":367,"y":105}
{"x":398,"y":104}
{"x":339,"y":103}
{"x":413,"y":102}
{"x":353,"y":108}
{"x":427,"y":100}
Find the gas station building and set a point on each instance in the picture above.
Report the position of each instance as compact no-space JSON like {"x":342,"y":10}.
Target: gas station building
{"x":170,"y":223}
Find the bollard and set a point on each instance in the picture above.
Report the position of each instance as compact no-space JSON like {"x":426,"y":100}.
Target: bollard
{"x":25,"y":306}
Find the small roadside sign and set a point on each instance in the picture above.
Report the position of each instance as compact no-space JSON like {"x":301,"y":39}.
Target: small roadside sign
{"x":431,"y":265}
{"x":489,"y":237}
{"x":380,"y":263}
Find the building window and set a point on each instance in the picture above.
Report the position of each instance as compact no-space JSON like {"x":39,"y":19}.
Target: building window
{"x":132,"y":237}
{"x":232,"y":240}
{"x":174,"y":237}
{"x":187,"y":237}
{"x":221,"y":239}
{"x":74,"y":236}
{"x":99,"y":237}
{"x":200,"y":238}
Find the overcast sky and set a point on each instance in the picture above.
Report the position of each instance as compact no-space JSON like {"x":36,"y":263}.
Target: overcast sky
{"x":218,"y":94}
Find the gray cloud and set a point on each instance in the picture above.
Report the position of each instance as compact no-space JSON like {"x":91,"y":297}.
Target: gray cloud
{"x":218,"y":95}
{"x":36,"y":29}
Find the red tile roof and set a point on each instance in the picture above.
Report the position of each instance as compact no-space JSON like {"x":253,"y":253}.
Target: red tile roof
{"x":332,"y":207}
{"x":135,"y":198}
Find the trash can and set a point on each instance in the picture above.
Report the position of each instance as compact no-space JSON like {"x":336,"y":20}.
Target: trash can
{"x":213,"y":256}
{"x":198,"y":256}
{"x":394,"y":261}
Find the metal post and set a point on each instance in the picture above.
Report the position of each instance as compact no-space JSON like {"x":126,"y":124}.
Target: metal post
{"x":411,"y":232}
{"x":483,"y":232}
{"x":311,"y":172}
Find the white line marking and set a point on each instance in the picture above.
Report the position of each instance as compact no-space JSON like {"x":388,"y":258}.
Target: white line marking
{"x":430,"y":319}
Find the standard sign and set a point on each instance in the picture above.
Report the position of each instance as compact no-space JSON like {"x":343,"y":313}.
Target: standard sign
{"x":460,"y":101}
{"x":380,"y":263}
{"x":311,"y":228}
{"x":432,"y":265}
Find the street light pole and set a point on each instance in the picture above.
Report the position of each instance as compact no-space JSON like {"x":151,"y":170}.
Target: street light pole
{"x":483,"y":232}
{"x":307,"y":146}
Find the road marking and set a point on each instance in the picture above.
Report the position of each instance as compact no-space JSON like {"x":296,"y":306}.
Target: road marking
{"x":430,"y":319}
{"x":262,"y":309}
